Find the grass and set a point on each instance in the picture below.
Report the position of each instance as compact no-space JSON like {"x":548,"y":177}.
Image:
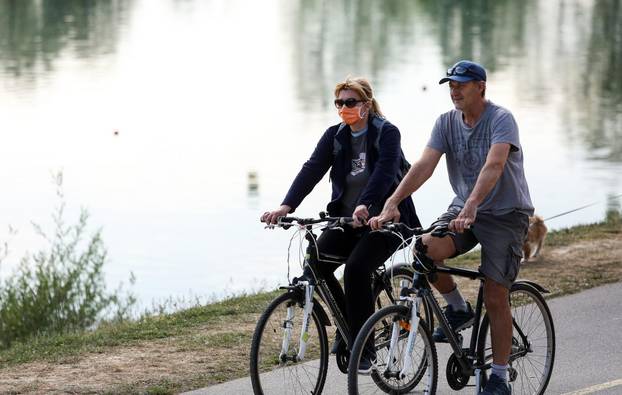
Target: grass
{"x":213,"y":340}
{"x":61,"y":347}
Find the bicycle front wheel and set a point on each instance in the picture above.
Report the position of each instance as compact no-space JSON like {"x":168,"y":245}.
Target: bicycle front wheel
{"x":275,"y":364}
{"x":387,"y":291}
{"x":533,"y":341}
{"x":388,"y":373}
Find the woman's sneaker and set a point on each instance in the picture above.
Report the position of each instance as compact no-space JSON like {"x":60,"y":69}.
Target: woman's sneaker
{"x":458,"y":320}
{"x":496,"y":386}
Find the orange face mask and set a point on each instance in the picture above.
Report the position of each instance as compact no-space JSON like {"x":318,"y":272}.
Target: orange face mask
{"x":350,"y":115}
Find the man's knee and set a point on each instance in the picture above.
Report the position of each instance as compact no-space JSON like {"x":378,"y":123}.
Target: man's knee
{"x":438,"y":249}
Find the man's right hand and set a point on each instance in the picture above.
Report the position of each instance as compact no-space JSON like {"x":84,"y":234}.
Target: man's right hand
{"x":389,"y":213}
{"x":271,"y":217}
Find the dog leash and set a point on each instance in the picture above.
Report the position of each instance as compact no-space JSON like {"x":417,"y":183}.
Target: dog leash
{"x":581,"y":208}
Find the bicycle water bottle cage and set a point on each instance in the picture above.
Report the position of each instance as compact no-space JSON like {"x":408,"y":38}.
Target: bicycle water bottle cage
{"x":422,"y":263}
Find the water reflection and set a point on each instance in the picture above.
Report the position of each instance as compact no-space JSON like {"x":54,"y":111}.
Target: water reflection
{"x":569,"y":48}
{"x":332,"y":39}
{"x":489,"y":31}
{"x":159,"y":188}
{"x":602,"y":85}
{"x":33,"y":34}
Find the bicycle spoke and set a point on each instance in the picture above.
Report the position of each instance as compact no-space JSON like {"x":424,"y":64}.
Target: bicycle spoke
{"x":271,"y":375}
{"x":532,"y":355}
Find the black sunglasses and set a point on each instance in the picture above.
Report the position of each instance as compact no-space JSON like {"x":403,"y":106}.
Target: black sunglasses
{"x":461,"y":70}
{"x":350,"y":102}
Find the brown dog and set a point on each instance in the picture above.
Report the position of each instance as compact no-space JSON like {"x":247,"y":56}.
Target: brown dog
{"x":535,"y":238}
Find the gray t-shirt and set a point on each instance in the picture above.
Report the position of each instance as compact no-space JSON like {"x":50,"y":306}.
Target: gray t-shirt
{"x":466,"y":149}
{"x":357,"y":178}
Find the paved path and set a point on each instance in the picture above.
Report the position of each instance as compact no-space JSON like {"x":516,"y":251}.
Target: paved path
{"x":588,"y":357}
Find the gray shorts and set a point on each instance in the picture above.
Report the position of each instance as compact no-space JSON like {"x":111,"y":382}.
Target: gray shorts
{"x":501,"y":238}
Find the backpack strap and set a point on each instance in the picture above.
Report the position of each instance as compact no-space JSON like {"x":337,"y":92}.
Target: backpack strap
{"x":336,"y":144}
{"x":378,"y":123}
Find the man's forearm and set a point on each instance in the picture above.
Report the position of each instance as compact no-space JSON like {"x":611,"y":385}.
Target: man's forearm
{"x":416,"y":176}
{"x":490,"y":173}
{"x":486,"y":181}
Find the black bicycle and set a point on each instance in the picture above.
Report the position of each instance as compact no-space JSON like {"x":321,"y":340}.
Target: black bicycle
{"x":403,"y":342}
{"x":289,"y":351}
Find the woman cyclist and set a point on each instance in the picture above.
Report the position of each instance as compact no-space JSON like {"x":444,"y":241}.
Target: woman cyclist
{"x":365,"y":159}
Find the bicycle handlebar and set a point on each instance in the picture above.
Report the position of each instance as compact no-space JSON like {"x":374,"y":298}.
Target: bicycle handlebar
{"x":287,"y":222}
{"x":440,"y":230}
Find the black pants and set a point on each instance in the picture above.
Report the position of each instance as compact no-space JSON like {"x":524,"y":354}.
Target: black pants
{"x":366,"y":251}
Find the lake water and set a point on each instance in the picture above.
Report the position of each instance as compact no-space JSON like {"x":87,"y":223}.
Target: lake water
{"x":157,"y":111}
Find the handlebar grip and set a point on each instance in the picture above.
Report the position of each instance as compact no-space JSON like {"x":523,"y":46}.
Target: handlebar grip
{"x":286,"y":220}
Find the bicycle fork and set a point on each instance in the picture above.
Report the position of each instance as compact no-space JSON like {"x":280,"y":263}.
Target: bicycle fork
{"x":412,"y":337}
{"x":304,"y":333}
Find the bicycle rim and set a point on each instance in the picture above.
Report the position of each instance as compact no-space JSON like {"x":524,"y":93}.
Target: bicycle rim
{"x":270,"y":374}
{"x":529,"y":374}
{"x":422,"y":376}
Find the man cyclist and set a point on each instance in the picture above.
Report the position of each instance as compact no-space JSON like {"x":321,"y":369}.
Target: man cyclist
{"x":485,"y":166}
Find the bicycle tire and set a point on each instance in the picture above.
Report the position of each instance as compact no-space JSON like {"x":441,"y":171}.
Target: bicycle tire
{"x":529,"y":374}
{"x":269,"y":374}
{"x":378,"y":382}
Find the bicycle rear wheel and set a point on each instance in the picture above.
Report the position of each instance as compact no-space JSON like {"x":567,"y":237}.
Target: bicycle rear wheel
{"x":533,"y":341}
{"x":274,"y":367}
{"x":387,"y":380}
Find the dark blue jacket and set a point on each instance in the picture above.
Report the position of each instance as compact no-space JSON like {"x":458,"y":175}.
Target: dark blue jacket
{"x":384,"y":165}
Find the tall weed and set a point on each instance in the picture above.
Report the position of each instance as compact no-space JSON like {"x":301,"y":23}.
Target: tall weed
{"x":62,"y":287}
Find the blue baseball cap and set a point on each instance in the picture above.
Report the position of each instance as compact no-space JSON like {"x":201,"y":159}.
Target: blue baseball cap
{"x":464,"y":71}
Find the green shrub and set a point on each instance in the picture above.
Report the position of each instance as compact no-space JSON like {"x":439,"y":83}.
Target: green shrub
{"x":60,"y":288}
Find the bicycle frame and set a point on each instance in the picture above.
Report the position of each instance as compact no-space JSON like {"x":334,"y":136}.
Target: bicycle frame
{"x":317,"y":283}
{"x":421,"y":288}
{"x":310,"y":286}
{"x":466,"y":358}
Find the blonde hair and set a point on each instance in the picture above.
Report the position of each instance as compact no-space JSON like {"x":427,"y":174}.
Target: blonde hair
{"x":363,"y":88}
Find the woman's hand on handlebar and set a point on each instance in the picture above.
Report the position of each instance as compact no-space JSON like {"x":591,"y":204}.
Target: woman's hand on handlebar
{"x":360,"y":216}
{"x":389,"y":213}
{"x":271,"y":217}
